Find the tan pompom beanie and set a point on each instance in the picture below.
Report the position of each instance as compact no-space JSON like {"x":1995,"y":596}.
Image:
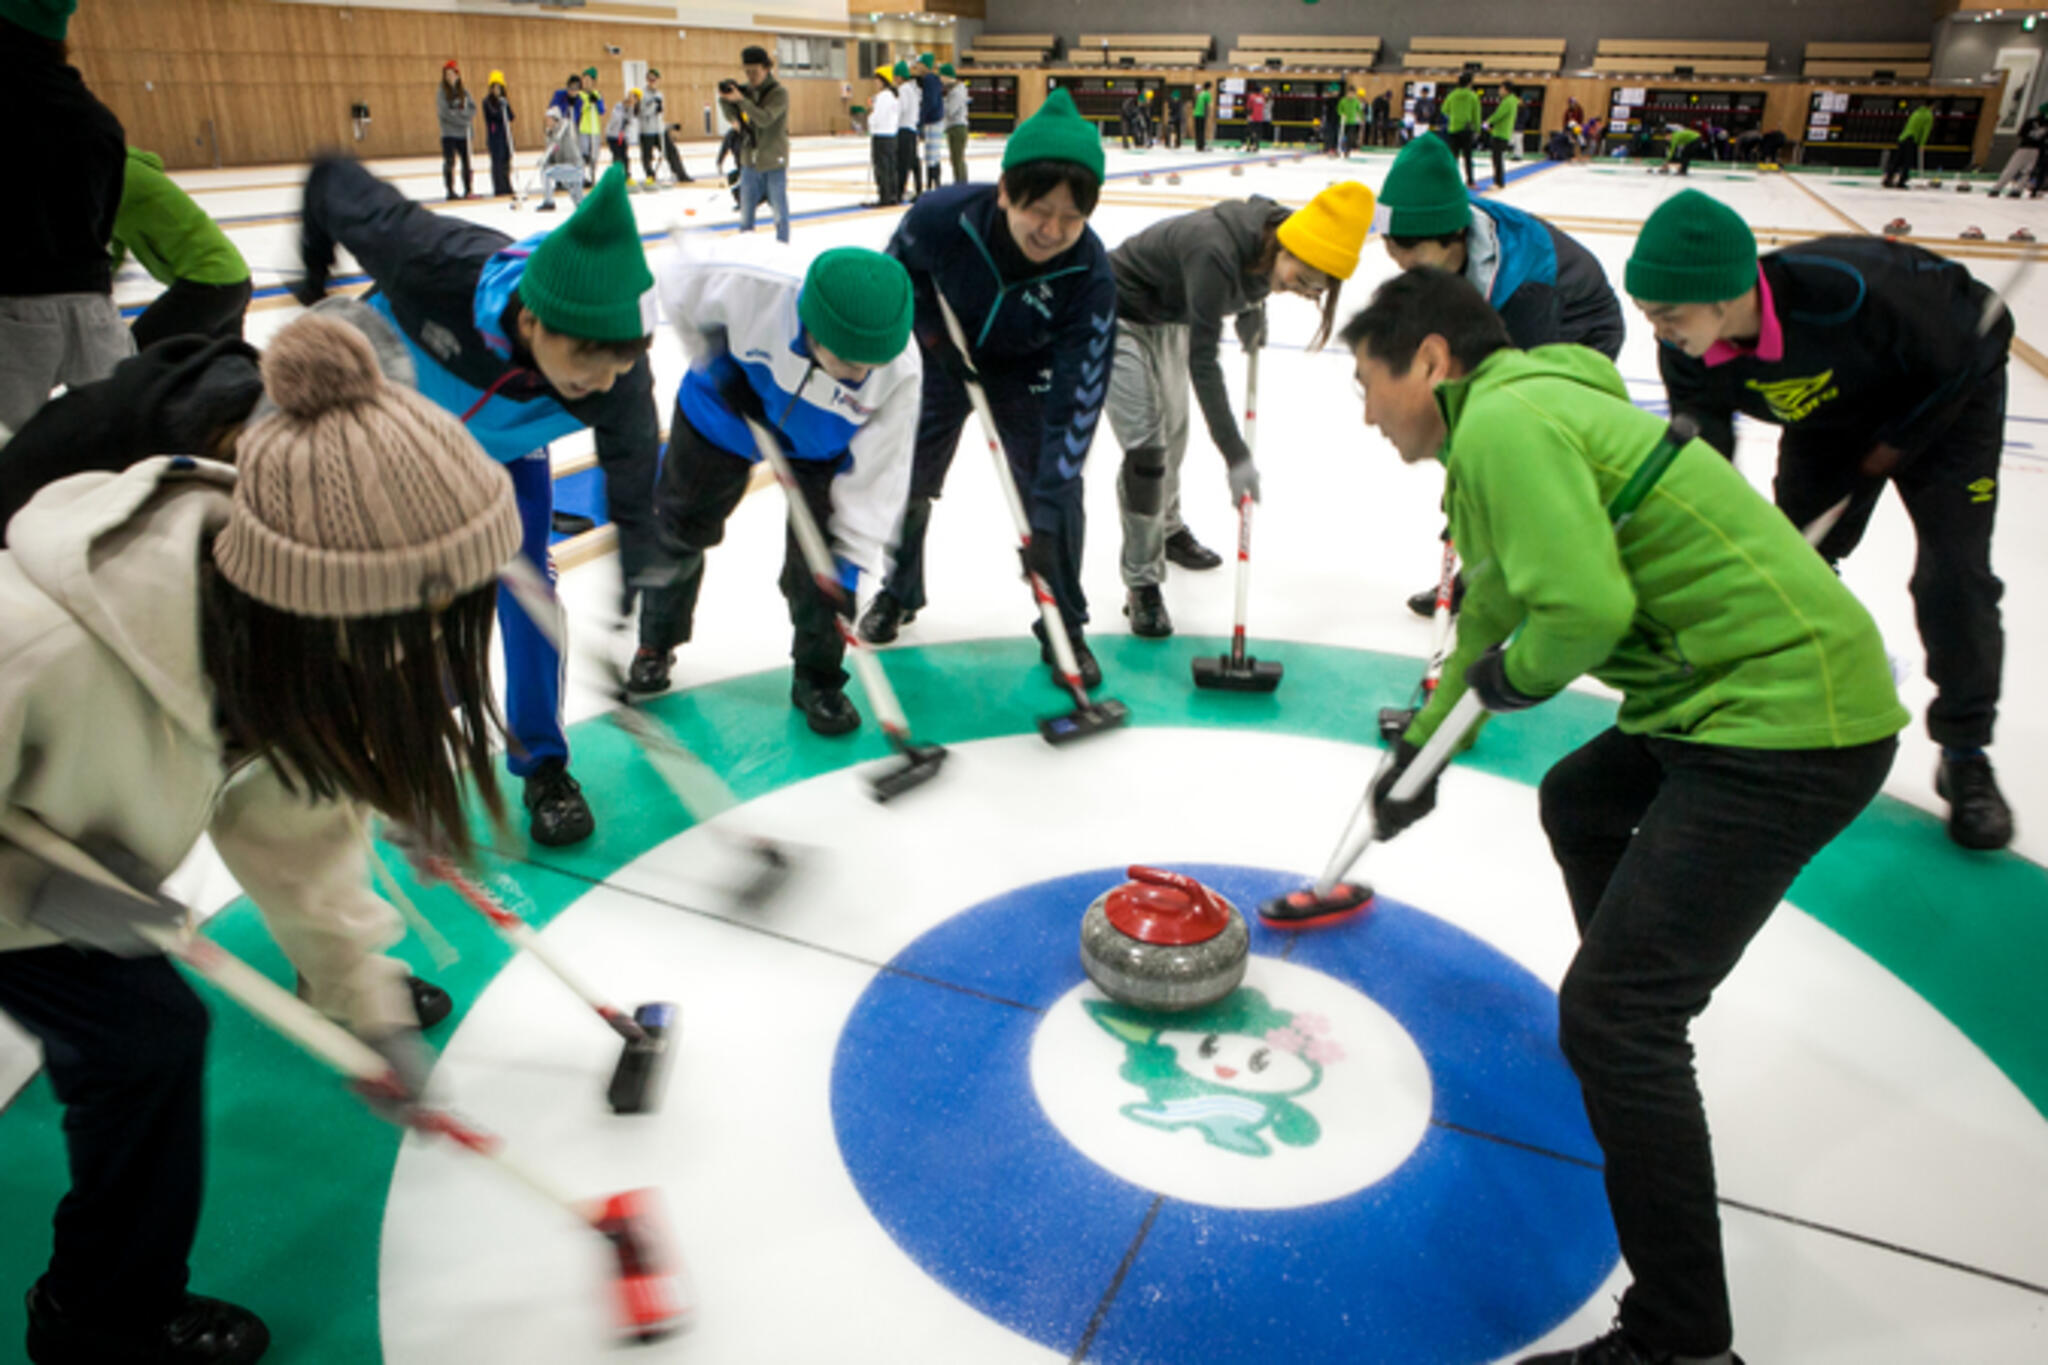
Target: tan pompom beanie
{"x":357,"y":498}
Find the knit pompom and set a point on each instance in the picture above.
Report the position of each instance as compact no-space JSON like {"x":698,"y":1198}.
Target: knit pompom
{"x":316,"y":365}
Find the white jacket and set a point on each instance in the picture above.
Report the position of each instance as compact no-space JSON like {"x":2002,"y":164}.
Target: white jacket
{"x":737,"y":305}
{"x":107,"y":730}
{"x":885,"y":114}
{"x":622,"y":123}
{"x":956,"y":105}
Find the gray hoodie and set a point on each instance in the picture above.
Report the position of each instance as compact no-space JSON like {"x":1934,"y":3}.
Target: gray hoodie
{"x":107,"y":731}
{"x":456,"y":118}
{"x":1194,"y":270}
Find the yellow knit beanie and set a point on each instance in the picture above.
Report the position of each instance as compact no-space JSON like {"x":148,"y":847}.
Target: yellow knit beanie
{"x":1329,"y":232}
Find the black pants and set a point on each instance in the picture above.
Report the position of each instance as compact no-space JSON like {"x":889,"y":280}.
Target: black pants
{"x":1201,"y":132}
{"x":1684,"y":155}
{"x":1951,"y":494}
{"x":1900,"y":163}
{"x":1499,"y":147}
{"x":124,"y":1042}
{"x":1252,"y":130}
{"x":1462,"y":143}
{"x":700,"y":485}
{"x":501,"y":163}
{"x":1333,"y":133}
{"x":908,"y":166}
{"x":621,"y":154}
{"x":1020,"y":422}
{"x":660,"y":144}
{"x":888,"y":184}
{"x":452,"y":147}
{"x":189,"y":309}
{"x":1674,"y":854}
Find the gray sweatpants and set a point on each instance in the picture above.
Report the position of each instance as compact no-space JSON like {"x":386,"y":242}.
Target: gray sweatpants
{"x":1148,"y":411}
{"x":52,"y":339}
{"x":2018,"y":167}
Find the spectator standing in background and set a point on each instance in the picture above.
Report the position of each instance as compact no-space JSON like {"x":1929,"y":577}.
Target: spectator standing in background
{"x":589,"y":123}
{"x":1350,"y":114}
{"x":58,"y":323}
{"x":884,"y":118}
{"x":498,"y":120}
{"x":760,"y":109}
{"x":957,"y":97}
{"x":1383,"y":119}
{"x":931,"y":116}
{"x":206,"y":280}
{"x":457,"y":112}
{"x":1500,"y":131}
{"x":654,"y":132}
{"x":1461,"y":124}
{"x":909,"y":105}
{"x":1911,"y":146}
{"x":1258,"y":125}
{"x":1203,"y":96}
{"x":622,"y":130}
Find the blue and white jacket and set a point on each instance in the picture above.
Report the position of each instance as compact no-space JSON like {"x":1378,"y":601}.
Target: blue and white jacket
{"x":735,"y":308}
{"x":1055,"y":322}
{"x":1545,"y":286}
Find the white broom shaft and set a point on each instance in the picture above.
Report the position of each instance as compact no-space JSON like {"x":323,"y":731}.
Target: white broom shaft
{"x":520,"y":934}
{"x":292,"y":1017}
{"x":1048,"y":608}
{"x":818,"y":555}
{"x":1244,"y":507}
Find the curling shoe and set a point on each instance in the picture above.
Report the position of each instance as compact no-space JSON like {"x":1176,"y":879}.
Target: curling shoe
{"x":555,"y":802}
{"x":826,"y":709}
{"x":883,"y":618}
{"x":1147,"y":610}
{"x":200,"y":1331}
{"x":1183,"y":549}
{"x":649,"y":670}
{"x":1978,"y":816}
{"x":1617,"y":1348}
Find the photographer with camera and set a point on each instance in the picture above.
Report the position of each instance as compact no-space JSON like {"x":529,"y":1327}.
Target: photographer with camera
{"x":760,"y":110}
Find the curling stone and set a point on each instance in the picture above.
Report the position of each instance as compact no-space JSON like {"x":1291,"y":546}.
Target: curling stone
{"x":1972,"y":233}
{"x":1173,"y":177}
{"x":1237,"y":168}
{"x":1144,"y":177}
{"x":1164,"y":942}
{"x":1898,"y":227}
{"x":2022,"y":235}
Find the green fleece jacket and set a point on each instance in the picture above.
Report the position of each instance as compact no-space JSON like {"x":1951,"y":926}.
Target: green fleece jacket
{"x":1461,"y":109}
{"x":1502,"y":124}
{"x":1919,"y":126}
{"x":1708,"y":612}
{"x":171,"y":236}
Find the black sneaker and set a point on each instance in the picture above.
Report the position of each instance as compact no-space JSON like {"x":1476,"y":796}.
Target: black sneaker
{"x":202,"y":1331}
{"x":826,"y":709}
{"x":1183,"y":549}
{"x":429,"y":1002}
{"x":1423,"y":603}
{"x":546,"y":207}
{"x":649,"y":671}
{"x":1147,"y":610}
{"x":1978,"y":816}
{"x":1616,"y":1348}
{"x":1084,"y":660}
{"x":883,"y":618}
{"x":555,"y":801}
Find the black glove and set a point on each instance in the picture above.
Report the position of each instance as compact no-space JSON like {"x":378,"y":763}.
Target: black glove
{"x":1391,"y":817}
{"x":1488,"y":679}
{"x":82,"y":911}
{"x":1251,"y":328}
{"x":739,"y":396}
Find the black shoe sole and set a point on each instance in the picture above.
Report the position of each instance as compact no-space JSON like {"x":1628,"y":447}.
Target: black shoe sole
{"x":828,"y":725}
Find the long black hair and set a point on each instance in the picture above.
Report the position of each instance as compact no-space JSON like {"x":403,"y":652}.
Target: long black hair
{"x":394,"y":711}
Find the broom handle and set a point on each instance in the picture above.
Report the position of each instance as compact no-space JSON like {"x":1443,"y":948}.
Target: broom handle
{"x":1048,"y":607}
{"x":818,"y":555}
{"x":520,"y":935}
{"x":1244,"y":510}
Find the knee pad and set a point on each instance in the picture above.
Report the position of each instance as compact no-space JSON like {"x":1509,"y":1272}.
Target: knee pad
{"x":1145,"y":480}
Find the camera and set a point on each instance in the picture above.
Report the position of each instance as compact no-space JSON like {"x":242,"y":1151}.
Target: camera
{"x":612,"y":50}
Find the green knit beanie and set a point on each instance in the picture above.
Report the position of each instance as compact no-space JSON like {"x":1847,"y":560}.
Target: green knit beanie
{"x":590,"y":71}
{"x":928,"y":59}
{"x":856,"y":303}
{"x":588,"y":278}
{"x":946,"y":70}
{"x":902,"y":70}
{"x":1424,"y":195}
{"x":1057,"y":132}
{"x":45,"y":18}
{"x":1694,"y":249}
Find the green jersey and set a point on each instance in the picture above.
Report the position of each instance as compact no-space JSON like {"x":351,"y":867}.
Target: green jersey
{"x":1461,"y":109}
{"x":171,"y":236}
{"x":1707,"y":611}
{"x":1919,"y":126}
{"x":1502,"y":123}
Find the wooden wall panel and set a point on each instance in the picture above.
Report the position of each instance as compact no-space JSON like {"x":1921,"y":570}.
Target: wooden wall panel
{"x":274,"y":82}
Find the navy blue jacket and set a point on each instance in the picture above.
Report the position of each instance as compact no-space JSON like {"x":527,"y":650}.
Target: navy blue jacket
{"x":1020,"y":318}
{"x":933,"y":92}
{"x":1882,"y":342}
{"x":1546,"y":287}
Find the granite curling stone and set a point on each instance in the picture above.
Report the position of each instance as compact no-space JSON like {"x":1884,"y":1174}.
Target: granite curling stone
{"x":1164,"y":942}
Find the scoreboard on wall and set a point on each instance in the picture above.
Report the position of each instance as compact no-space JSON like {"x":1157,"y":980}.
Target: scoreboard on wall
{"x":1845,"y":129}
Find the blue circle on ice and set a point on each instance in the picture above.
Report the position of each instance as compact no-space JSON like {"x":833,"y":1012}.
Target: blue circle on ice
{"x":1491,"y":1231}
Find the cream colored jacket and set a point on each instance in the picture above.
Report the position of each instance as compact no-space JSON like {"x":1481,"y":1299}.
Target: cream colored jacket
{"x":106,"y":731}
